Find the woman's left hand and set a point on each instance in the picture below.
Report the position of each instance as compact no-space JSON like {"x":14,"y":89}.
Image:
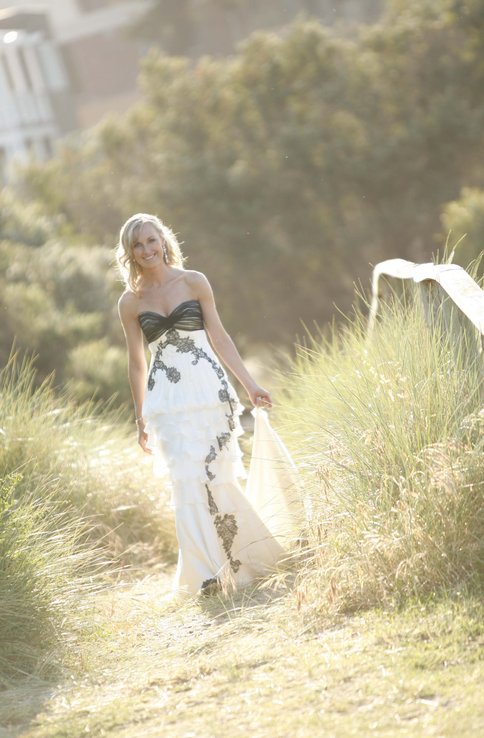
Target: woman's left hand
{"x":143,"y":437}
{"x":259,"y":397}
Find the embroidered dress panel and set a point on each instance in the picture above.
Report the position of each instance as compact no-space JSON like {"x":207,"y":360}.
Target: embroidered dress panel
{"x":192,"y":415}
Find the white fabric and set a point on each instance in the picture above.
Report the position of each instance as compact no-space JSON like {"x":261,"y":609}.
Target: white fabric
{"x":193,"y":435}
{"x":273,"y":486}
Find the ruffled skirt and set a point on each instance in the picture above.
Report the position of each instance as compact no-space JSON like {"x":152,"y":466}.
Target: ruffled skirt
{"x":193,"y":427}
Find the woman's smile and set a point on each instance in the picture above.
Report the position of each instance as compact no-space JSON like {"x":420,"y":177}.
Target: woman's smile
{"x":148,"y":248}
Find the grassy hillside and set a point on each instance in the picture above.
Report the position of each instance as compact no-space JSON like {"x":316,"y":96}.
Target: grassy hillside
{"x":376,"y":626}
{"x":78,"y":508}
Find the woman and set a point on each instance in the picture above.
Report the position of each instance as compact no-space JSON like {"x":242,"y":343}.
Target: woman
{"x":186,"y":410}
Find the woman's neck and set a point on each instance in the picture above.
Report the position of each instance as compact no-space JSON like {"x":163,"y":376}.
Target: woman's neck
{"x":159,"y":278}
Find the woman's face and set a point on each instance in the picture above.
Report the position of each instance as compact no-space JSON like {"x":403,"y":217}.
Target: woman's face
{"x":148,"y":247}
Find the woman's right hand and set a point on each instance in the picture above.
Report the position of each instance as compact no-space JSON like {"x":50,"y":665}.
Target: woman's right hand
{"x":259,"y":397}
{"x":143,"y":437}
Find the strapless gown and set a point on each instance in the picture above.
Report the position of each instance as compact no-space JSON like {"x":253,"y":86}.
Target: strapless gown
{"x":192,"y":420}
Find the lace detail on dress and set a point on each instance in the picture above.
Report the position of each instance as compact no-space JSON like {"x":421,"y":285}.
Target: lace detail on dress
{"x":185,"y":345}
{"x":225,"y":525}
{"x":213,"y":509}
{"x":208,"y":460}
{"x":223,"y":439}
{"x":171,"y":372}
{"x":227,"y":529}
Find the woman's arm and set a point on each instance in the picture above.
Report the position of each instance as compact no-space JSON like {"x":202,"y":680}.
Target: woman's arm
{"x":222,"y":342}
{"x":136,"y":359}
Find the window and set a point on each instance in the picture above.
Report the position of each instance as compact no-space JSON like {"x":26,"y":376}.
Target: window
{"x":25,"y":68}
{"x":8,"y":73}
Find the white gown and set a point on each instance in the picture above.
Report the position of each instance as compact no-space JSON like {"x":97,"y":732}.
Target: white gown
{"x":192,"y":421}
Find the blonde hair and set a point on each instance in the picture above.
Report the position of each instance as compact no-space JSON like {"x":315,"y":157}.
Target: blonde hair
{"x":130,"y":270}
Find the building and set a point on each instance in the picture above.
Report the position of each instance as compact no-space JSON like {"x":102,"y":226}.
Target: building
{"x":35,"y":101}
{"x":64,"y":64}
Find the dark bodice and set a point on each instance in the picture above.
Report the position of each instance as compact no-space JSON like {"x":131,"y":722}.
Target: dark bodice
{"x":187,"y":316}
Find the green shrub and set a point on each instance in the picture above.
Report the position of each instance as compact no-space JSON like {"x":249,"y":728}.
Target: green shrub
{"x":464,"y":220}
{"x":56,"y":299}
{"x":21,"y":222}
{"x":98,"y":370}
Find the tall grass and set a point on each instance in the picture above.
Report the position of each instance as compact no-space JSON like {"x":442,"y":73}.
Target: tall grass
{"x":389,"y":433}
{"x":46,"y":575}
{"x":76,"y":505}
{"x":92,"y":462}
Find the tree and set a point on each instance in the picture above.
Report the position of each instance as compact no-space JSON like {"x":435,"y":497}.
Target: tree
{"x":292,"y":165}
{"x":57,"y":302}
{"x":463,"y":222}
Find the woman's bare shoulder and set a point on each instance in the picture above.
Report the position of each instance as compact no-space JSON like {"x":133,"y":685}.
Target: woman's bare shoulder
{"x":127,"y":303}
{"x":196,"y":280}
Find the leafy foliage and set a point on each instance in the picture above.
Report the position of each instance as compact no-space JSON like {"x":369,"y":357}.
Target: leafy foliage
{"x":22,"y":223}
{"x":290,"y":166}
{"x":463,"y":219}
{"x":56,"y":296}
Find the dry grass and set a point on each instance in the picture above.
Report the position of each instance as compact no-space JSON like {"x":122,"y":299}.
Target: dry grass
{"x":389,"y":435}
{"x":91,"y":464}
{"x":256,"y":666}
{"x":77,"y":506}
